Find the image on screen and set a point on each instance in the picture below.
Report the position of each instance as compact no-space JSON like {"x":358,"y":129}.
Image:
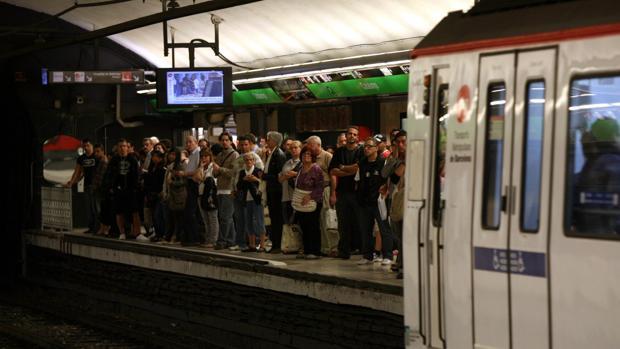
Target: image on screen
{"x":195,"y":87}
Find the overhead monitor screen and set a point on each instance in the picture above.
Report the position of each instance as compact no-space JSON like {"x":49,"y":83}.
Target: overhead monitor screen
{"x":194,"y":87}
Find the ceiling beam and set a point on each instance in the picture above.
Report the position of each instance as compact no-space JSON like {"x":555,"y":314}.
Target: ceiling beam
{"x":172,"y":14}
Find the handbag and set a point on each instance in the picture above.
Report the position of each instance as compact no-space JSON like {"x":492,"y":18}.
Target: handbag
{"x":291,"y":238}
{"x":298,"y":196}
{"x":331,"y":219}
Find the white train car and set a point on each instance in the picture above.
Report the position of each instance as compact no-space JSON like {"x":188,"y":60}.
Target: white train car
{"x":512,"y":205}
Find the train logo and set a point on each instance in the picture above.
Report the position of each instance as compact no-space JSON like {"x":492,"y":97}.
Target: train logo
{"x":462,"y":104}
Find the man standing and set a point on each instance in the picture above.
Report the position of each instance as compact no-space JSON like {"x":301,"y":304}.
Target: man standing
{"x":274,"y":160}
{"x":124,"y":171}
{"x":223,"y":171}
{"x":369,"y":181}
{"x":344,"y":166}
{"x":85,"y":168}
{"x":190,"y":225}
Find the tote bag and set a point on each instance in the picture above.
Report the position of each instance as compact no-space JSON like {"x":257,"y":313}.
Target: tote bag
{"x":291,"y":238}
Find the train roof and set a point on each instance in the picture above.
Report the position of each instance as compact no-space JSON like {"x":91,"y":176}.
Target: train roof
{"x":505,"y":23}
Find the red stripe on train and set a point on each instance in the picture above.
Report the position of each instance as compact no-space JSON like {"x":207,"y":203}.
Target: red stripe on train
{"x":582,"y":32}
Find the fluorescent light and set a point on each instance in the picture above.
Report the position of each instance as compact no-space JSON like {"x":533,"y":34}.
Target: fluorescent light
{"x":317,"y":62}
{"x":151,"y":91}
{"x":318,"y":72}
{"x":537,"y":101}
{"x":590,"y":106}
{"x":502,"y":102}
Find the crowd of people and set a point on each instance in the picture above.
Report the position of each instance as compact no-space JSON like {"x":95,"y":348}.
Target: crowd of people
{"x":241,"y":196}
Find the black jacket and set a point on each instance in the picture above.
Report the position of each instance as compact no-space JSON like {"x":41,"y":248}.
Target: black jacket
{"x":244,"y":186}
{"x":278,"y":158}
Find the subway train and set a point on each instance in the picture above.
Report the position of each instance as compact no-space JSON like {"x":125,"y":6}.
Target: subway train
{"x":512,"y":203}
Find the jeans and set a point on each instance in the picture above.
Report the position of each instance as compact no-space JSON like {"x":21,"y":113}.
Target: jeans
{"x":93,"y":209}
{"x":190,"y":224}
{"x":226,"y":208}
{"x":397,"y":229}
{"x":274,"y":202}
{"x":368,"y":215}
{"x":348,"y":226}
{"x":211,"y":225}
{"x":251,"y":213}
{"x":159,"y":218}
{"x":239,"y":218}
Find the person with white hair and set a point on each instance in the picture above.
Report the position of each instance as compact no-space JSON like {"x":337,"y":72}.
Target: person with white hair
{"x":274,"y":159}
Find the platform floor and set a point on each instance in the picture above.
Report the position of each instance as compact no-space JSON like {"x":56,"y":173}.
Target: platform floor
{"x":328,"y":279}
{"x":346,"y":269}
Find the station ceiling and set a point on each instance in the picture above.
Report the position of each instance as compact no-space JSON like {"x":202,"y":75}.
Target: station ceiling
{"x":267,"y":33}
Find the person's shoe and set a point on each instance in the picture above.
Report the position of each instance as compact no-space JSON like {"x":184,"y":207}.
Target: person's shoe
{"x":300,"y":256}
{"x":356,"y":252}
{"x":343,"y":256}
{"x":364,"y":261}
{"x":249,"y":249}
{"x":155,"y":238}
{"x":209,"y":246}
{"x":394,"y":267}
{"x":260,"y":249}
{"x":386,"y":261}
{"x":219,"y":247}
{"x":376,"y":258}
{"x":312,"y":256}
{"x":142,"y":238}
{"x":399,"y":276}
{"x":234,"y":248}
{"x":122,"y":237}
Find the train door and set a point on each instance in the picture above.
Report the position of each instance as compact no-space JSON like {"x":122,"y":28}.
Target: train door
{"x":435,"y":272}
{"x":512,"y":200}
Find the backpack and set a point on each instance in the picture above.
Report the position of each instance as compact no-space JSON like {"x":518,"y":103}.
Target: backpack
{"x":177,"y":194}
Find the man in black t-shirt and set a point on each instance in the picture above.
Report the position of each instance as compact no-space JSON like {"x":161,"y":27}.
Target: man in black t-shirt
{"x":344,"y":166}
{"x":85,"y":168}
{"x":124,"y":172}
{"x":369,"y":180}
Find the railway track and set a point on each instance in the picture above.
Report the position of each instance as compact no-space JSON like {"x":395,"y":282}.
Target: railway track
{"x":24,"y":328}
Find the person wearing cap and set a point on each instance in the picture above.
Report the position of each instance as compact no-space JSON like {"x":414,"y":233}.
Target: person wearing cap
{"x":598,"y":183}
{"x":382,"y":148}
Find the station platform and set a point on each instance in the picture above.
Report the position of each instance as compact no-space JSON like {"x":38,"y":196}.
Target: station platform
{"x":327,"y":279}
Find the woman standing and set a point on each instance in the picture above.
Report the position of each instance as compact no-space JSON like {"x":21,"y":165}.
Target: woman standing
{"x":307,"y":202}
{"x":249,"y":198}
{"x":287,"y":178}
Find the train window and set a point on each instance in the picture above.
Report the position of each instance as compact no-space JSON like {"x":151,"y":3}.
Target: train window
{"x":592,"y":205}
{"x":440,"y":154}
{"x":532,"y":156}
{"x":493,"y":156}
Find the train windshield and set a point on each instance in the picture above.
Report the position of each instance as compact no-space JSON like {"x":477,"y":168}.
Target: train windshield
{"x":593,"y":163}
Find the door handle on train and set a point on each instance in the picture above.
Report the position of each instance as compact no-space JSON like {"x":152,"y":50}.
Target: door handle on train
{"x":513,"y":200}
{"x":504,"y":202}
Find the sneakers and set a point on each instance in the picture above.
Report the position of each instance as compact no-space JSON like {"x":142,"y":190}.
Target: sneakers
{"x":312,"y":256}
{"x":122,"y":237}
{"x":249,"y":249}
{"x":376,"y":258}
{"x":386,"y":261}
{"x":364,"y":261}
{"x":234,"y":248}
{"x":142,"y":238}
